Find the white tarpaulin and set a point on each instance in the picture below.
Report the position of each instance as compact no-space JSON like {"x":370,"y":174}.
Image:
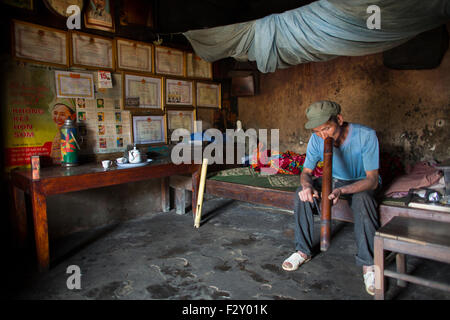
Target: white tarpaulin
{"x":319,"y":31}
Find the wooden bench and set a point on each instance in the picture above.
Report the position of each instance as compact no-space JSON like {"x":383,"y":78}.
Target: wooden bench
{"x":407,"y":236}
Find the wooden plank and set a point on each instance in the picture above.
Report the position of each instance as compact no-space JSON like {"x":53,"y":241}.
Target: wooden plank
{"x":417,"y":280}
{"x":429,"y":251}
{"x":418,"y":231}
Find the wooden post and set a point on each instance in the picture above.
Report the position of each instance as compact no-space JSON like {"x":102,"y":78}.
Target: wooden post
{"x":325,"y":228}
{"x":198,"y":213}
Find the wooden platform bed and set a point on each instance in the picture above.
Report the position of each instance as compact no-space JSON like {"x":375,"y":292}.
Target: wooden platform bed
{"x":284,"y":199}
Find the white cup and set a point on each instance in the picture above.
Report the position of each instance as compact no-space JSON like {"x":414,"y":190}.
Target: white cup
{"x":106,"y":164}
{"x":121,"y":160}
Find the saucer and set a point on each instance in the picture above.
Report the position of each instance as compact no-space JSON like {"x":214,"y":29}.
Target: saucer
{"x":133,"y":165}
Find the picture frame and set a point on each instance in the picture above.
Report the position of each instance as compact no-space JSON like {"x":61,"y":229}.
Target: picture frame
{"x":134,"y":55}
{"x":208,"y":94}
{"x":197,"y":68}
{"x":148,"y":88}
{"x":169,"y":61}
{"x":74,"y":84}
{"x":92,"y":52}
{"x":149,"y":129}
{"x":59,"y":7}
{"x":23,"y":4}
{"x":138,"y":13}
{"x":179,"y":92}
{"x":180,"y":118}
{"x":99,"y":15}
{"x":39,"y":44}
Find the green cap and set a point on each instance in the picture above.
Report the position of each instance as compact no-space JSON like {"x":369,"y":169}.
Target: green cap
{"x":320,"y":112}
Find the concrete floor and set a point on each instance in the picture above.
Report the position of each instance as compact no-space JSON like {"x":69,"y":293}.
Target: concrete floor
{"x":235,"y":254}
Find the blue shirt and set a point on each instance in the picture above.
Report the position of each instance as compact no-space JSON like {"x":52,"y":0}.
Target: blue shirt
{"x":359,"y":153}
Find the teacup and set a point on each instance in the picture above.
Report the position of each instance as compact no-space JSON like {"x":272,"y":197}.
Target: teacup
{"x":106,"y":164}
{"x":121,"y":160}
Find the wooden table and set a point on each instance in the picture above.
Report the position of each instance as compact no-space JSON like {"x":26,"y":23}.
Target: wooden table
{"x":408,"y":236}
{"x":59,"y":180}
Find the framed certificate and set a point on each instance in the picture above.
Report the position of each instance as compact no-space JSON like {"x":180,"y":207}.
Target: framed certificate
{"x":99,"y":15}
{"x":196,"y":67}
{"x":34,"y":43}
{"x":177,"y":119}
{"x":74,"y":85}
{"x":179,"y":92}
{"x":149,"y":130}
{"x":92,"y":52}
{"x":208,"y":95}
{"x":134,"y":55}
{"x":169,"y":61}
{"x":143,"y":91}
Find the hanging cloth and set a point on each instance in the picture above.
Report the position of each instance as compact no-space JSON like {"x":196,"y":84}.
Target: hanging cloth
{"x":319,"y":31}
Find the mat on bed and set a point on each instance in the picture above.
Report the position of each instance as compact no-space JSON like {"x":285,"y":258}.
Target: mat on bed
{"x":284,"y":182}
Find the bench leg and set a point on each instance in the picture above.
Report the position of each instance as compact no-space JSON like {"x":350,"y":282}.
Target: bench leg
{"x":379,"y":268}
{"x":165,"y":195}
{"x":400,"y":260}
{"x":180,"y":201}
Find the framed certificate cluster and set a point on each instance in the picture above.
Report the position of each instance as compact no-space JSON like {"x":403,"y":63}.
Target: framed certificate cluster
{"x":156,"y":91}
{"x":92,"y":52}
{"x":40,"y":44}
{"x":143,"y":91}
{"x":149,"y":129}
{"x":208,"y":95}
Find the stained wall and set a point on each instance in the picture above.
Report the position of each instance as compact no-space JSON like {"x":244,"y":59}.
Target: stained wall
{"x":409,"y":109}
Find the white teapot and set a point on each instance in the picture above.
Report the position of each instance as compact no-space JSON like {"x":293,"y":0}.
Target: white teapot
{"x":134,"y":156}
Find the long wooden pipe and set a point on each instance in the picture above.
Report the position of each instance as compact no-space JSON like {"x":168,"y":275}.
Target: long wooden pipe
{"x":325,"y":219}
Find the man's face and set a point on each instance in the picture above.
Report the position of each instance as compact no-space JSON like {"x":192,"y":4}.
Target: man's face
{"x":60,"y":114}
{"x":329,"y":129}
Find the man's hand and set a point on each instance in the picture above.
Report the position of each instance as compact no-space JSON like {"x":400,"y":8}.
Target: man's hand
{"x":307,"y":194}
{"x":334,"y":195}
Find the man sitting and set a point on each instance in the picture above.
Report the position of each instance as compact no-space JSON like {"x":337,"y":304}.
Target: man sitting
{"x":355,"y":174}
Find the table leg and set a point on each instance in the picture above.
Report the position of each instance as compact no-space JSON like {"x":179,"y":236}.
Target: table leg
{"x":379,"y":268}
{"x":19,"y":216}
{"x":180,"y":201}
{"x":401,"y":267}
{"x":39,"y":203}
{"x":165,"y":194}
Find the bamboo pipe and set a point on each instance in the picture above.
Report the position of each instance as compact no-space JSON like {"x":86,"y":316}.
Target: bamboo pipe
{"x":198,"y":212}
{"x":325,"y":219}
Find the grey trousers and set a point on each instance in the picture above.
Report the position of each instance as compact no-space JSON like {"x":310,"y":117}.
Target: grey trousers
{"x":365,"y":216}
